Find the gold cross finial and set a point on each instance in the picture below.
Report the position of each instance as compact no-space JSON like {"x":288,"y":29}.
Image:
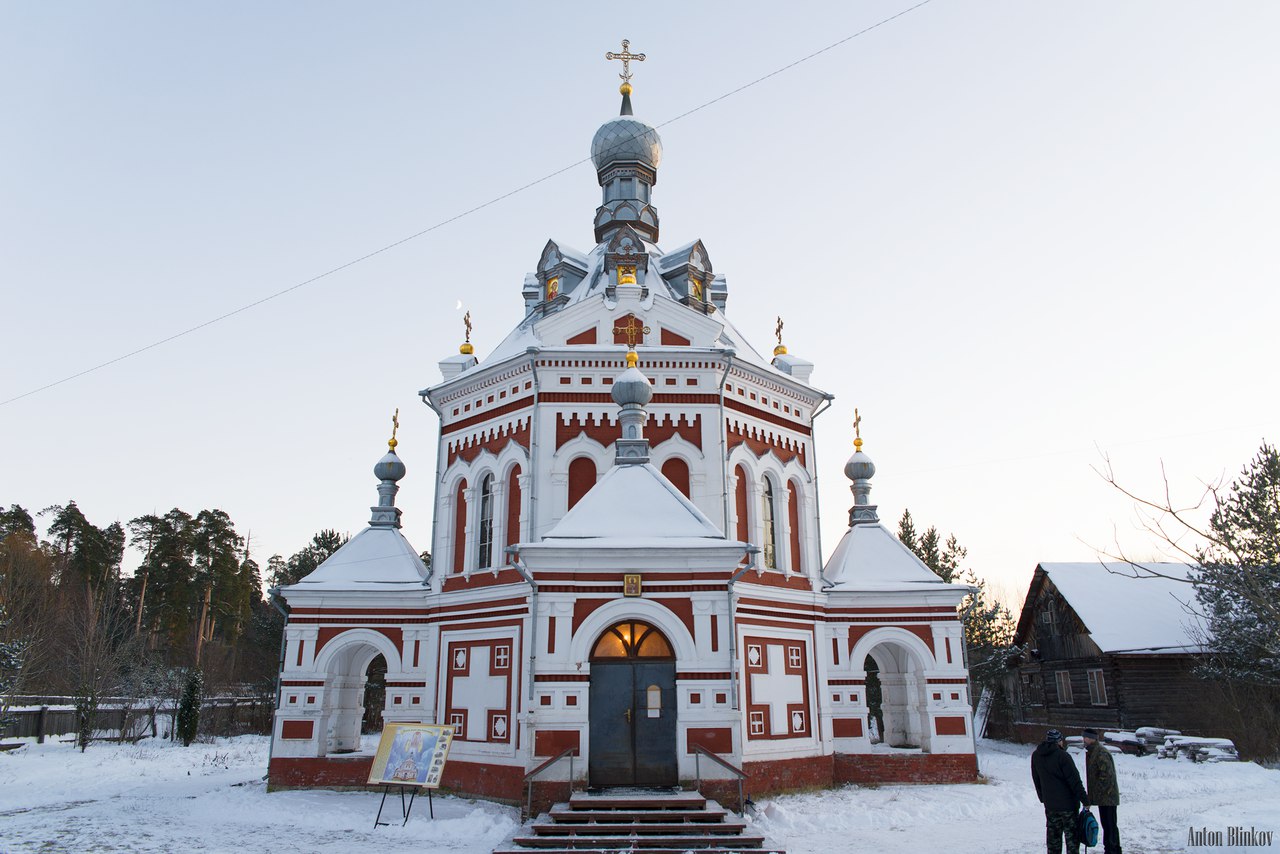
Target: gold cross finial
{"x":781,"y":349}
{"x":626,"y":56}
{"x":466,"y":349}
{"x":395,"y":425}
{"x":857,"y":429}
{"x":632,"y":328}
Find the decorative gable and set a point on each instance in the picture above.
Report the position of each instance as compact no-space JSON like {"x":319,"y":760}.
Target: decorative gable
{"x":560,"y":270}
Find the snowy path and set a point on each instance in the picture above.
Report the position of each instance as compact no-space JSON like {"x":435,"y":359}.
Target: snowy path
{"x":210,"y":797}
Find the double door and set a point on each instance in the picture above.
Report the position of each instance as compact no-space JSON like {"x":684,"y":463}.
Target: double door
{"x":632,"y":724}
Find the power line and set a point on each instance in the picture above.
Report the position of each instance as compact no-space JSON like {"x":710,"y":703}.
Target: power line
{"x":495,"y":200}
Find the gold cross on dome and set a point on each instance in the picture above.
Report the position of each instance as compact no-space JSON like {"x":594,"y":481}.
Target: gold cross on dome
{"x":626,"y":56}
{"x":857,"y":425}
{"x":466,"y":321}
{"x":395,"y":425}
{"x":778,"y":331}
{"x":631,"y":329}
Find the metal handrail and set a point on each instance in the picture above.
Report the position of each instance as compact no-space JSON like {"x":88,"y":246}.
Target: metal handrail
{"x":528,"y":778}
{"x":698,"y":752}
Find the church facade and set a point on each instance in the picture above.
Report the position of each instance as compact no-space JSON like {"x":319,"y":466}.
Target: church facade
{"x":625,"y":556}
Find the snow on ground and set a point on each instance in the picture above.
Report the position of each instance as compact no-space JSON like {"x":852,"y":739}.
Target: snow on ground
{"x":1160,"y":800}
{"x":158,"y":797}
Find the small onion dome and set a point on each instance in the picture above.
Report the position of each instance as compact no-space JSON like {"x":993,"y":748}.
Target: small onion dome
{"x":780,"y":350}
{"x":389,"y":467}
{"x":631,"y":386}
{"x":466,"y":349}
{"x":626,"y":140}
{"x":859,"y":466}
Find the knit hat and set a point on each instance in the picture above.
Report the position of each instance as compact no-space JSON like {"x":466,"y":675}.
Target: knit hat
{"x":1090,"y":733}
{"x":1053,"y":736}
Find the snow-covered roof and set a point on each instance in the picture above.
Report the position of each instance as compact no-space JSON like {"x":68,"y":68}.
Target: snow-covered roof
{"x":870,"y":559}
{"x":525,"y":334}
{"x":378,"y":558}
{"x":1126,"y":609}
{"x":636,"y":504}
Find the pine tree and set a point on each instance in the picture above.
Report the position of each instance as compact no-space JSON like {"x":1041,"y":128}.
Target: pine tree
{"x":188,"y":723}
{"x":988,"y":624}
{"x":1238,"y":579}
{"x":13,"y":655}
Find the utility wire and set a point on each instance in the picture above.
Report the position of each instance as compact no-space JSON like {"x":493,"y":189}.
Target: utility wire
{"x":495,"y":200}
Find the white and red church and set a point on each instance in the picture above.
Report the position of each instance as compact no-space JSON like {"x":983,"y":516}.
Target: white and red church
{"x":625,"y":556}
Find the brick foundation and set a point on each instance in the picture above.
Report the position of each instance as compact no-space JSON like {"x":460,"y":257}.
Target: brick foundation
{"x":502,"y":783}
{"x":323,"y":772}
{"x":909,"y":768}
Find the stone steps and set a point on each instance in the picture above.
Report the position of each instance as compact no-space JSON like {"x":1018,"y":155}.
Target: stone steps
{"x":654,"y":822}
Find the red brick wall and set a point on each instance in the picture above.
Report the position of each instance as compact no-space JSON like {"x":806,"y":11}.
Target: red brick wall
{"x":325,"y":772}
{"x":503,"y":783}
{"x":909,"y":768}
{"x":781,"y":775}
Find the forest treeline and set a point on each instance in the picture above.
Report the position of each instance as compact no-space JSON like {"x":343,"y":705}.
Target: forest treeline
{"x":73,"y":623}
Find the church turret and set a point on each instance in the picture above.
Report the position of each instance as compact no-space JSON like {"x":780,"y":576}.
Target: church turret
{"x":632,"y":391}
{"x":860,"y":470}
{"x":626,"y":152}
{"x":389,"y":471}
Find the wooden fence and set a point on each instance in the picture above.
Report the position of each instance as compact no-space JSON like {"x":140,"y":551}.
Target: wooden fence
{"x":124,"y":718}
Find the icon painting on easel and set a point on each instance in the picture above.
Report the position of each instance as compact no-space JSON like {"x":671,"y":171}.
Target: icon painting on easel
{"x":410,"y":756}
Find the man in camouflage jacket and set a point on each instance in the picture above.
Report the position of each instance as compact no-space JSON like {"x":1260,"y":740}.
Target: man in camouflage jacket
{"x":1104,"y":791}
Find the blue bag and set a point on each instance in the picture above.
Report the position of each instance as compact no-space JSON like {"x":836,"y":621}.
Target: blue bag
{"x":1086,"y":828}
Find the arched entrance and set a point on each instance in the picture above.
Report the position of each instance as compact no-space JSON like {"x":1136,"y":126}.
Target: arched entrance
{"x":632,"y":708}
{"x":896,"y":696}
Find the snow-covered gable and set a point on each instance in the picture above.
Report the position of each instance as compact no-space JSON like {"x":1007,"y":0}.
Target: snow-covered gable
{"x":637,"y":504}
{"x":375,"y":559}
{"x":870,"y":559}
{"x":1124,"y":612}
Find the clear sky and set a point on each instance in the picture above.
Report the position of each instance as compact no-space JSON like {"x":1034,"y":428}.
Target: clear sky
{"x":1012,"y":234}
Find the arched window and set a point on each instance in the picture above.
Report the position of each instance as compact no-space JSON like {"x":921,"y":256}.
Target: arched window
{"x":582,"y":476}
{"x":485,"y":558}
{"x":460,"y":526}
{"x":769,"y":539}
{"x":740,"y":503}
{"x":513,"y":506}
{"x":793,"y":521}
{"x":676,"y":470}
{"x":632,"y":639}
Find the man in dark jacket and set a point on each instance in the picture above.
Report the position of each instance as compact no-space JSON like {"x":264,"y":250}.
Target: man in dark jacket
{"x":1104,"y":790}
{"x":1059,"y":788}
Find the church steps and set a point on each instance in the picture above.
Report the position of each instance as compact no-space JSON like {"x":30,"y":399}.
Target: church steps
{"x":562,"y":814}
{"x":626,"y":825}
{"x":636,"y":820}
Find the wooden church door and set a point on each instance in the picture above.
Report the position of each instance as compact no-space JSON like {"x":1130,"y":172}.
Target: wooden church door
{"x":632,"y":708}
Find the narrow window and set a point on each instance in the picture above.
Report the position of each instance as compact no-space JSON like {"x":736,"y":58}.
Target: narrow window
{"x":770,"y":542}
{"x":486,"y":523}
{"x":793,"y":522}
{"x":460,"y":527}
{"x":1064,"y":687}
{"x":1097,"y":688}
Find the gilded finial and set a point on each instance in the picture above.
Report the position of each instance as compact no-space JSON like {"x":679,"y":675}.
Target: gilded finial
{"x":857,"y":430}
{"x":466,"y":349}
{"x":626,"y":56}
{"x":633,"y":358}
{"x":395,"y":425}
{"x":781,"y":349}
